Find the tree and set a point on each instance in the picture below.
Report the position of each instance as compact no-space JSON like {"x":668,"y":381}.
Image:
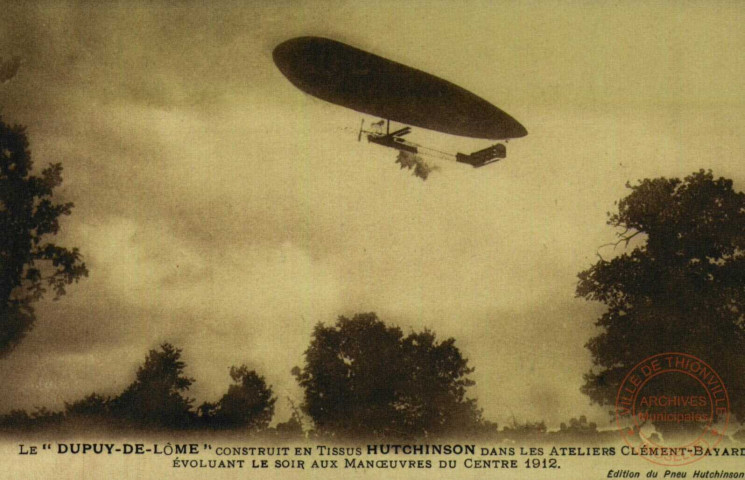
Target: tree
{"x":579,"y":426}
{"x":293,"y":427}
{"x":94,"y":405}
{"x":39,"y":418}
{"x":522,"y":431}
{"x":681,"y":290}
{"x":156,"y":397}
{"x":29,"y":264}
{"x":362,"y":377}
{"x":249,"y":403}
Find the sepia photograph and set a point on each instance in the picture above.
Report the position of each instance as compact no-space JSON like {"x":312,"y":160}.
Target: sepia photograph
{"x":330,"y":239}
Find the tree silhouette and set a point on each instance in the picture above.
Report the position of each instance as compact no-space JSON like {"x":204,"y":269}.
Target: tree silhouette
{"x":92,"y":405}
{"x":249,"y":403}
{"x":682,"y":289}
{"x":41,"y":417}
{"x":517,"y":430}
{"x":156,"y":398}
{"x":362,"y":377}
{"x":579,"y":426}
{"x":29,"y":264}
{"x":293,"y":427}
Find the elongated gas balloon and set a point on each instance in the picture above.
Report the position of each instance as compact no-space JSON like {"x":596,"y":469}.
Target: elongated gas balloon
{"x":355,"y":79}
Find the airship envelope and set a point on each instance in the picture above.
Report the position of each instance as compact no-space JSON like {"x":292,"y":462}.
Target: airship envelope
{"x":355,"y":79}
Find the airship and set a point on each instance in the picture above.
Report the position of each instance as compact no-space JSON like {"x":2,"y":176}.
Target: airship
{"x":355,"y":79}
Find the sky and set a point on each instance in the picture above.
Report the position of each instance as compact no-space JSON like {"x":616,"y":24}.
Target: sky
{"x":222,"y":210}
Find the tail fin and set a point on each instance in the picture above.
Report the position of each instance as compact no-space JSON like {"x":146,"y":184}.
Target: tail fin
{"x":483,"y":157}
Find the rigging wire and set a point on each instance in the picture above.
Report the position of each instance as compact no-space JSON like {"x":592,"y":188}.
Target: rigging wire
{"x":421,"y":149}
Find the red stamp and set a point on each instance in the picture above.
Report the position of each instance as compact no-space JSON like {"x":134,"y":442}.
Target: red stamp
{"x":671,"y":408}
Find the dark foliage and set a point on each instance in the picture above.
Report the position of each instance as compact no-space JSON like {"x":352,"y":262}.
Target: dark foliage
{"x":681,"y":290}
{"x":29,"y":264}
{"x":156,"y":401}
{"x":39,"y":418}
{"x":90,"y":406}
{"x":156,"y":397}
{"x":362,"y":377}
{"x":517,"y":430}
{"x":249,"y":403}
{"x":579,"y":426}
{"x":292,"y":428}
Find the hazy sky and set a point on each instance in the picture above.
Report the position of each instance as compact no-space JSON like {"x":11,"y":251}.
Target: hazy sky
{"x":223,"y":210}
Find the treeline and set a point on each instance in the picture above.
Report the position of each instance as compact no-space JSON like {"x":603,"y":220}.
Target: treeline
{"x":157,"y":400}
{"x":361,"y":379}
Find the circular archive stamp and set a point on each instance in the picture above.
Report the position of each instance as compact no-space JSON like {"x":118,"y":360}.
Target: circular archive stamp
{"x":671,"y":408}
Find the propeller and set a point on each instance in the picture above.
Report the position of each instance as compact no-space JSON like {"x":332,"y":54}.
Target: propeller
{"x":359,"y":135}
